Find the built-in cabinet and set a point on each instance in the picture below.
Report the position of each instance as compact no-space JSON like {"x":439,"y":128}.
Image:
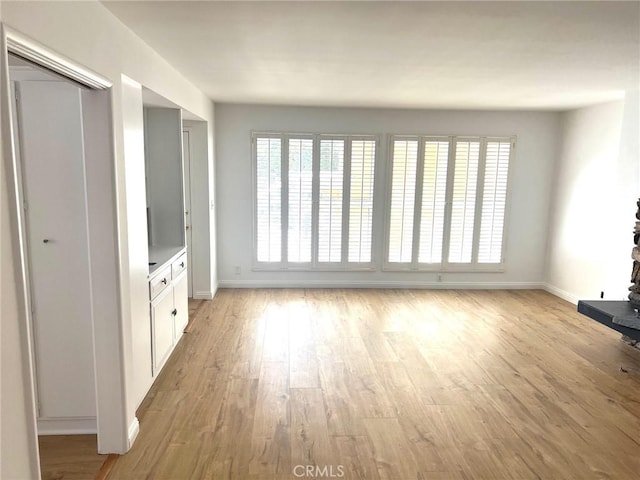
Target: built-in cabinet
{"x":169,"y":310}
{"x":168,"y":288}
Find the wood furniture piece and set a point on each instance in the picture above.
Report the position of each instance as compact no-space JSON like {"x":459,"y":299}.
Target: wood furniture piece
{"x":604,"y":311}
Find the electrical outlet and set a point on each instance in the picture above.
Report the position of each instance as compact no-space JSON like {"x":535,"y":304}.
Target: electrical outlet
{"x":439,"y":277}
{"x":237,"y":270}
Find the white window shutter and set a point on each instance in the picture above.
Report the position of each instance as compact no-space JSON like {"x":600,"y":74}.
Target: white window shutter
{"x":363,"y":155}
{"x":494,"y":201}
{"x":300,"y":200}
{"x":330,"y":200}
{"x":403,"y":186}
{"x":268,"y":199}
{"x":314,"y":201}
{"x":434,"y":191}
{"x":463,"y":201}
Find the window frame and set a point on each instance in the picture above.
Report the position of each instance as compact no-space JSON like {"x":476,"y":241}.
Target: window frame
{"x":314,"y":265}
{"x":254,"y":181}
{"x":445,"y":266}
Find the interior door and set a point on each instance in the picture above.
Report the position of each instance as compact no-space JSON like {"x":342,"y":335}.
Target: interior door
{"x":52,"y":156}
{"x":186,"y":158}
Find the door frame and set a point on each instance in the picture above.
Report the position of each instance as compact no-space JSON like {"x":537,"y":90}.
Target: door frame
{"x":109,"y":362}
{"x":186,"y":188}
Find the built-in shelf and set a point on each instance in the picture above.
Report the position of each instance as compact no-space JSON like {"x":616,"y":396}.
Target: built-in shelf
{"x":603,"y":311}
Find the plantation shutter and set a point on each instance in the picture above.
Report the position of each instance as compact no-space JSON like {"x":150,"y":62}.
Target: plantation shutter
{"x":363,"y":154}
{"x":465,"y":180}
{"x":434,"y":191}
{"x":268,"y":199}
{"x":330,"y":200}
{"x":403,"y":186}
{"x":300,"y":200}
{"x":494,"y":200}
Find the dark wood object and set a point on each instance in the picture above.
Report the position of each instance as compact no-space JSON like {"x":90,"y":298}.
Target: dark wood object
{"x":603,"y":311}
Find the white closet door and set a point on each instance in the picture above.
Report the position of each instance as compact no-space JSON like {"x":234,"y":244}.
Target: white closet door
{"x":50,"y":125}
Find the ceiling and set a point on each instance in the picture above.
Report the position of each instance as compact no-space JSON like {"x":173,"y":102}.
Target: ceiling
{"x":498,"y":55}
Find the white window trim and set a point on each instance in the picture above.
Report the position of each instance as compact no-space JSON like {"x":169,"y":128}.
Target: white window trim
{"x":445,"y":266}
{"x":314,"y":265}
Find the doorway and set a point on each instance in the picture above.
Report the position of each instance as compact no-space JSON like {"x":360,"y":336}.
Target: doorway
{"x":50,"y":145}
{"x":197,"y":216}
{"x":89,"y":206}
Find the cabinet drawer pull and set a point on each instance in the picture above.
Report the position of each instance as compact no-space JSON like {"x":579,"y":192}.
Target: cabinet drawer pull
{"x":164,"y":280}
{"x":182,"y":265}
{"x":175,"y":312}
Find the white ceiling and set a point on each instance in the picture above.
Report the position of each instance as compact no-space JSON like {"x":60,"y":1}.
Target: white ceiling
{"x":505,"y":55}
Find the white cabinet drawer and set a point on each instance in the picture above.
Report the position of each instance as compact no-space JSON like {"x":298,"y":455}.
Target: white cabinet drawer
{"x":178,"y":266}
{"x":159,"y":282}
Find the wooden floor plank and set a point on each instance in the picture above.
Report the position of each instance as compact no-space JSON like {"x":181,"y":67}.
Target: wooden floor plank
{"x":310,"y":443}
{"x":391,"y":450}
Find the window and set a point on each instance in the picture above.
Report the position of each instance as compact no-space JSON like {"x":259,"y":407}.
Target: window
{"x":330,"y":202}
{"x":434,"y":191}
{"x":313,"y":200}
{"x":403,"y":189}
{"x":363,"y":157}
{"x":447,"y":202}
{"x":268,"y":153}
{"x":300,"y":175}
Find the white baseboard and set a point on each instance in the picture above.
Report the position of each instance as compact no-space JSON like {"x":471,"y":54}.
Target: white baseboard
{"x":381,"y":284}
{"x":67,"y":426}
{"x":132,"y":434}
{"x":569,"y":297}
{"x":203,"y":295}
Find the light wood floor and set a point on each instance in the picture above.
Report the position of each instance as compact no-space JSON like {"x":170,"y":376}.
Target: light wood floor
{"x":69,"y":457}
{"x":392,"y":384}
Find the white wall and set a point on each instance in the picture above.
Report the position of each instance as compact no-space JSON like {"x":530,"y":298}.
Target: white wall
{"x":597,"y":183}
{"x":537,"y":135}
{"x":18,"y":452}
{"x":89,"y":35}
